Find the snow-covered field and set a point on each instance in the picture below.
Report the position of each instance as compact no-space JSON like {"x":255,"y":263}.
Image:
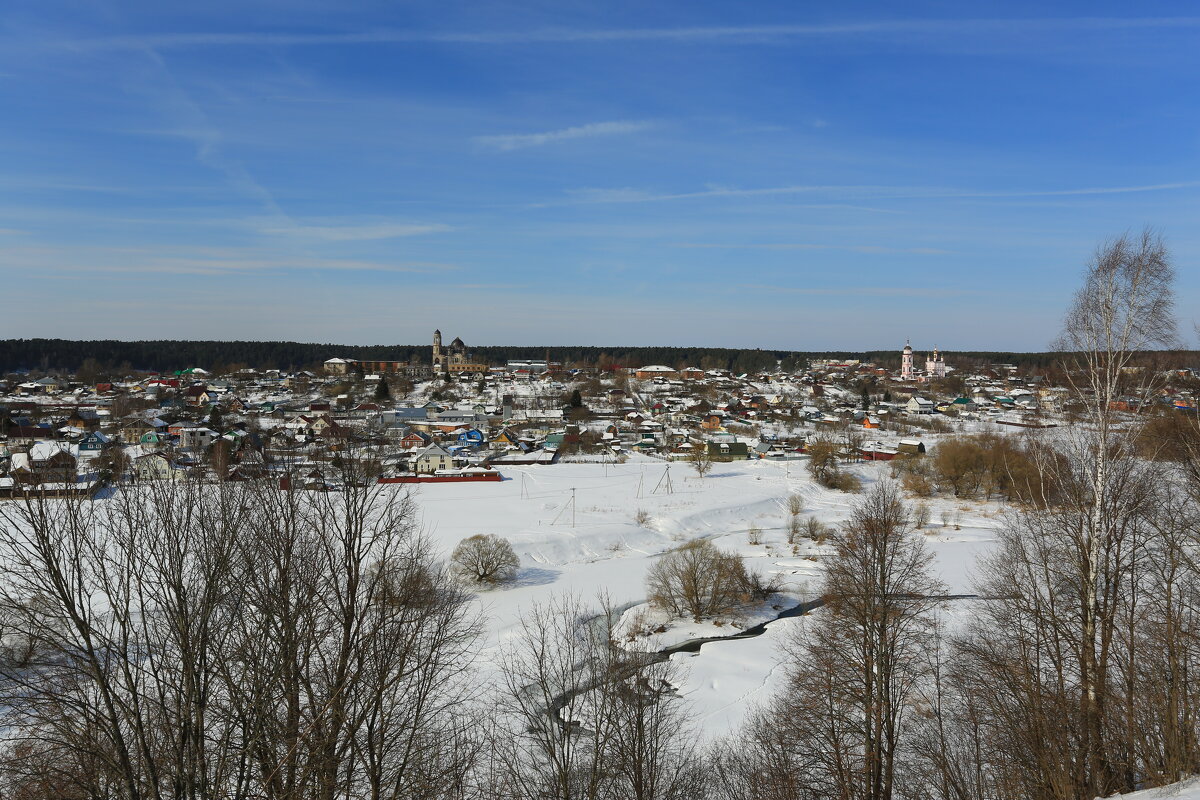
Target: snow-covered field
{"x":597,"y":546}
{"x":1184,"y":790}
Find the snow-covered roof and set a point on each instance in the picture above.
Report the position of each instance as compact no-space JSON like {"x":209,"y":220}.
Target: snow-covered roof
{"x":40,"y":451}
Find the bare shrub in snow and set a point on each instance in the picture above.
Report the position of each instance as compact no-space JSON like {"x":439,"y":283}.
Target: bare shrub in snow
{"x":815,"y":530}
{"x":794,"y":529}
{"x":485,"y":559}
{"x":697,"y":580}
{"x":921,"y":515}
{"x":795,"y":504}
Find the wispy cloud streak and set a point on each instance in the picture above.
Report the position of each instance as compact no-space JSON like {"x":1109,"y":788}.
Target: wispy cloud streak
{"x":202,"y":261}
{"x":733,"y":34}
{"x":355,"y":233}
{"x":517,"y":141}
{"x":852,"y":290}
{"x":851,"y":248}
{"x":630,"y":195}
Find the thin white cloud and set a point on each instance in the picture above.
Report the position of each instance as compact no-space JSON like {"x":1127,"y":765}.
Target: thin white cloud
{"x":356,"y":233}
{"x":853,"y":248}
{"x":516,"y":141}
{"x":1153,"y":187}
{"x":490,"y":286}
{"x":631,"y":195}
{"x":902,"y":29}
{"x":196,"y":261}
{"x":852,"y":290}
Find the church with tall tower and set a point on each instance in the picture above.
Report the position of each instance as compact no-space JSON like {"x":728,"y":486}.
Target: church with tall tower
{"x":935,"y":365}
{"x":453,"y":358}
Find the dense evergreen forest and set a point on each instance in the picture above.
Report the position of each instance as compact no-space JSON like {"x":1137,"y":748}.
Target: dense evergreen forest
{"x":46,"y":355}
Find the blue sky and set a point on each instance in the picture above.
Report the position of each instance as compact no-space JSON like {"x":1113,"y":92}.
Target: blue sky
{"x":770,"y":174}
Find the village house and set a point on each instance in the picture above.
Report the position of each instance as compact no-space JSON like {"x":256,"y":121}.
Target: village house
{"x":45,"y":462}
{"x":431,"y":459}
{"x":920,"y":405}
{"x":160,"y":467}
{"x":197,"y":396}
{"x":93,"y":444}
{"x":654,"y":371}
{"x":83,"y":419}
{"x":196,"y":437}
{"x":415,"y":440}
{"x":728,"y":450}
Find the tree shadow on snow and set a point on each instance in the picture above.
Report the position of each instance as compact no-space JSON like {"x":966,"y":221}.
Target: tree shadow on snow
{"x":534,"y":576}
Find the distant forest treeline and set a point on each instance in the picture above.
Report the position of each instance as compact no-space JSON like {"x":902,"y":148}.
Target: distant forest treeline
{"x":109,"y":355}
{"x":162,"y":356}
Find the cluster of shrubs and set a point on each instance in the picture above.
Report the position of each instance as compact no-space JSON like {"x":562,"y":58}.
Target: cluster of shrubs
{"x":699,"y":580}
{"x":980,"y":467}
{"x":825,"y":466}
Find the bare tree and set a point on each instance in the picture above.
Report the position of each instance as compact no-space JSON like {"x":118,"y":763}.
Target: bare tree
{"x":485,"y":559}
{"x":697,"y":579}
{"x":120,"y":606}
{"x":824,"y":464}
{"x":1125,"y":306}
{"x":584,"y":719}
{"x":364,"y":644}
{"x":950,"y":757}
{"x":189,"y":640}
{"x":839,"y":726}
{"x":1048,"y":650}
{"x":921,"y":516}
{"x":700,"y":458}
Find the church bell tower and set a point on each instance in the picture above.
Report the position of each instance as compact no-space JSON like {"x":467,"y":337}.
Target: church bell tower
{"x":906,"y":362}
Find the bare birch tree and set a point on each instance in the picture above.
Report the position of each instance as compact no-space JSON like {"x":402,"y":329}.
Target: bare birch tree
{"x":1125,"y":306}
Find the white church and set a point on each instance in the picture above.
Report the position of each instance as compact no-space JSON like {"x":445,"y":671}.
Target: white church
{"x":935,"y":365}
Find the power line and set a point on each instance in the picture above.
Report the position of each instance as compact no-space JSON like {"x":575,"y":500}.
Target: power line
{"x":664,"y":482}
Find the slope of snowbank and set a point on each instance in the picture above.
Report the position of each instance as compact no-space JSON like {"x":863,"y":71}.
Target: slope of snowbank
{"x":1184,"y":790}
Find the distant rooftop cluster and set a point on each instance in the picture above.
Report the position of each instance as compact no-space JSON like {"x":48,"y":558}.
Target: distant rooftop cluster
{"x":66,"y":433}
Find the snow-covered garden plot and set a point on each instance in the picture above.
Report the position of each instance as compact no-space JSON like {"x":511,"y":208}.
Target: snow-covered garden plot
{"x":592,"y":529}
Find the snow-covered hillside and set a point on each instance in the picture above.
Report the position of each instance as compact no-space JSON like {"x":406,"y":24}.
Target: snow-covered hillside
{"x":598,"y":546}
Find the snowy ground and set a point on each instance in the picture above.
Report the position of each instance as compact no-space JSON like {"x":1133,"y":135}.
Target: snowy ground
{"x":1184,"y":790}
{"x":598,"y":546}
